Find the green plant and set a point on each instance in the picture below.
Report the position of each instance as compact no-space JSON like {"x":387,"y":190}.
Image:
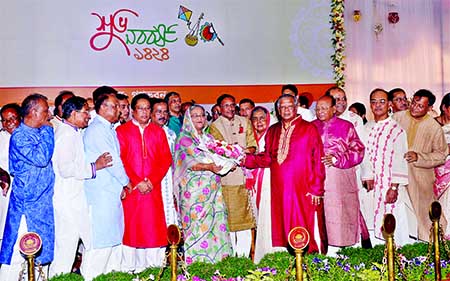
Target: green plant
{"x":233,"y":267}
{"x":352,"y":264}
{"x":115,"y":276}
{"x":360,"y":255}
{"x":68,"y":277}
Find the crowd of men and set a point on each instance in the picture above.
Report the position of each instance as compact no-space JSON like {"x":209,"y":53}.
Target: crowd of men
{"x":99,"y":171}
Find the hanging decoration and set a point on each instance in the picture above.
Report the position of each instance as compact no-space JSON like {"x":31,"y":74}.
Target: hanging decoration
{"x":356,"y":15}
{"x":393,"y":17}
{"x":337,"y":28}
{"x":377,"y":28}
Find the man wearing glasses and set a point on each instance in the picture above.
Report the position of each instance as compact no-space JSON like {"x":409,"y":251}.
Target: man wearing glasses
{"x":146,"y":157}
{"x":366,"y":203}
{"x":71,"y":169}
{"x":398,"y":98}
{"x":427,"y":149}
{"x":384,"y":171}
{"x":294,"y":152}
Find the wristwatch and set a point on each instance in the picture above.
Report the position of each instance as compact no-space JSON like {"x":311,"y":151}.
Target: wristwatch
{"x":394,"y":188}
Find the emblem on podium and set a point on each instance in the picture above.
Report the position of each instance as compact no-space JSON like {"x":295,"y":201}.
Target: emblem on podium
{"x":298,"y":238}
{"x":30,"y":243}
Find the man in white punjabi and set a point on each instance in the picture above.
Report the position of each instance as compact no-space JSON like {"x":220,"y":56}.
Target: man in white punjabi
{"x":384,"y":171}
{"x":71,"y":168}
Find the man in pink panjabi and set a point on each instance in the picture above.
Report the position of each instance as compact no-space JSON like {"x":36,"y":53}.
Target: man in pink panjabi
{"x":343,"y":151}
{"x":293,"y":151}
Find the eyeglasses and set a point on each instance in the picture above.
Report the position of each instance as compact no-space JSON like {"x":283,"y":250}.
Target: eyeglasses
{"x":82,"y":111}
{"x":288,"y":107}
{"x":380,"y":101}
{"x":420,"y":106}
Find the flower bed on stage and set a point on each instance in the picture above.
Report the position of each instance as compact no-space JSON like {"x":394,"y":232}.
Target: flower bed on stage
{"x":351,"y":264}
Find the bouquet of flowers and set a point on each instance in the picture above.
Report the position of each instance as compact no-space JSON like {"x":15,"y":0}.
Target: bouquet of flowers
{"x":223,"y":154}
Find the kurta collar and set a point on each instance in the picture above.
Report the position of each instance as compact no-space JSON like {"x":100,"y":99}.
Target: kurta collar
{"x":329,"y":122}
{"x":389,"y":118}
{"x":105,"y":122}
{"x":288,"y":124}
{"x":70,"y":124}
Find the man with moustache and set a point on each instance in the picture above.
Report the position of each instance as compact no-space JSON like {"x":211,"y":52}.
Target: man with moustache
{"x":343,"y":151}
{"x":245,"y":108}
{"x":173,"y":100}
{"x":124,"y":108}
{"x":103,"y":193}
{"x":296,"y":182}
{"x":30,"y":206}
{"x":366,"y":202}
{"x":292,"y":90}
{"x":235,"y":129}
{"x":71,"y":168}
{"x":341,"y":108}
{"x":398,"y":100}
{"x":384,"y":171}
{"x":10,"y":118}
{"x":57,"y":112}
{"x":159,"y":116}
{"x":146,"y":156}
{"x":427,"y":149}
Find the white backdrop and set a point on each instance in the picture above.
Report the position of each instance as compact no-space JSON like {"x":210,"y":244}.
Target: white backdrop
{"x":47,"y":43}
{"x":412,"y":54}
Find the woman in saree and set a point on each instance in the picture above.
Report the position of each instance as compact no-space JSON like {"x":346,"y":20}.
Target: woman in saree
{"x":442,"y":172}
{"x":202,"y":209}
{"x":260,"y":186}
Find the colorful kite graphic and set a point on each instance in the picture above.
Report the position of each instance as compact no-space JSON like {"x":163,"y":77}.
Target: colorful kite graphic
{"x":184,"y":14}
{"x":207,"y":31}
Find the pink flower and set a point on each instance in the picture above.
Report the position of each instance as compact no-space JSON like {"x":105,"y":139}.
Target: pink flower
{"x":204,"y":245}
{"x":198,"y":208}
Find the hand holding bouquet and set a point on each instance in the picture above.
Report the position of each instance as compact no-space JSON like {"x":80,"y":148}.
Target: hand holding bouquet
{"x":223,"y":154}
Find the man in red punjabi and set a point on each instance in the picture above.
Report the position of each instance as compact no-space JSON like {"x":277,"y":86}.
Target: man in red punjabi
{"x":146,"y":157}
{"x":343,"y":151}
{"x":293,"y":151}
